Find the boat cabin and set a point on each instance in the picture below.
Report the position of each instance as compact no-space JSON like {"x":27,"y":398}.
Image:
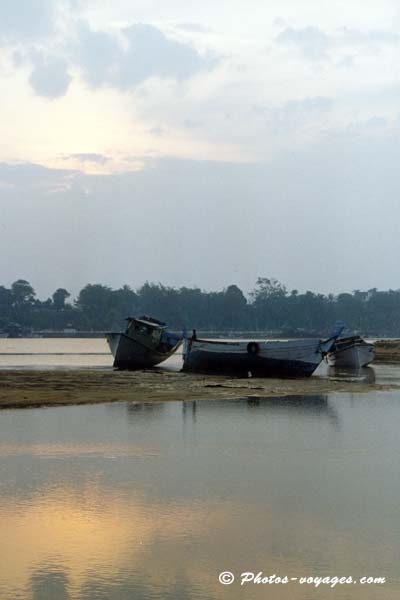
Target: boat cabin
{"x":145,"y":327}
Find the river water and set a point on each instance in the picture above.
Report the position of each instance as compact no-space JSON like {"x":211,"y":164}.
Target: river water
{"x":143,"y":501}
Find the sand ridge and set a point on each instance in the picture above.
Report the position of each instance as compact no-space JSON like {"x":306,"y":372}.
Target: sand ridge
{"x":34,"y":388}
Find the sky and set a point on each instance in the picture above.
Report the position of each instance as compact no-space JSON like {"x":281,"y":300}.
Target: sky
{"x":200,"y":144}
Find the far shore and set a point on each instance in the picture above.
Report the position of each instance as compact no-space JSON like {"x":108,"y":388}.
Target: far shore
{"x":40,"y":388}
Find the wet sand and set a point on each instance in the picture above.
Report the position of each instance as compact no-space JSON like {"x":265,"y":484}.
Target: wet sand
{"x":23,"y":389}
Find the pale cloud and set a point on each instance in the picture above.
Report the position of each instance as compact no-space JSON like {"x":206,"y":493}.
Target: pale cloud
{"x":311,"y":41}
{"x":374,"y":36}
{"x":26,"y":20}
{"x":316,"y":44}
{"x":324,"y":202}
{"x":295,"y":114}
{"x":266,"y":121}
{"x":126,"y":82}
{"x":193,"y":27}
{"x":31,"y":177}
{"x":376,"y":123}
{"x":157,"y":131}
{"x":141,"y":51}
{"x":50,"y":77}
{"x":92,"y":157}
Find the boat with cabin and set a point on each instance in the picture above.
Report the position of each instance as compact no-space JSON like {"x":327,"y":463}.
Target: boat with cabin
{"x":146,"y":342}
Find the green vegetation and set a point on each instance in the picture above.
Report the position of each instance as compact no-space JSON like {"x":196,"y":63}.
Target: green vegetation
{"x":269,"y":307}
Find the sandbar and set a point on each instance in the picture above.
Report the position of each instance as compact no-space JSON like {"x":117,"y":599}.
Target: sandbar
{"x":36,"y":388}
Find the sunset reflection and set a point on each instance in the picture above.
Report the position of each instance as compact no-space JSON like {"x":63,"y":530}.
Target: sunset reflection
{"x":82,"y":534}
{"x":63,"y":544}
{"x":122,"y":503}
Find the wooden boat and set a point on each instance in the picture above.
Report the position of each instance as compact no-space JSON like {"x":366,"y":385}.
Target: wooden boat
{"x":144,"y":344}
{"x":350,"y":351}
{"x":256,"y":358}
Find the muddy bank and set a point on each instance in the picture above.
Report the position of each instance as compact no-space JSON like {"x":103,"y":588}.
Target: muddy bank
{"x":22,"y":389}
{"x":387,"y":351}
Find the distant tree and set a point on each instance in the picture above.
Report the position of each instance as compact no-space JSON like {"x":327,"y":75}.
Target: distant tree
{"x":96,"y":303}
{"x":234,"y":307}
{"x":22,"y":293}
{"x":269,"y":306}
{"x":125,"y":301}
{"x":6,"y":299}
{"x":6,"y":303}
{"x":383,"y":312}
{"x":192,"y":308}
{"x":267,"y":288}
{"x":161,"y":300}
{"x":59,"y":298}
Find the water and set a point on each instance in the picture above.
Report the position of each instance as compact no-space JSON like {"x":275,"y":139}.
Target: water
{"x":64,"y":353}
{"x":28,"y":353}
{"x":153,"y":501}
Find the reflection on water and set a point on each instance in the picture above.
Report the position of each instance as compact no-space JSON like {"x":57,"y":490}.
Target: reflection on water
{"x":361,"y":374}
{"x":152,"y":501}
{"x":317,"y":405}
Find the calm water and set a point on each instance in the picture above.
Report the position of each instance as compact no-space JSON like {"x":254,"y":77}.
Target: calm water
{"x":153,"y":501}
{"x":23,"y":353}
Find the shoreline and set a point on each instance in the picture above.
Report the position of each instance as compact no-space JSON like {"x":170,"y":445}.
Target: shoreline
{"x":44,"y":388}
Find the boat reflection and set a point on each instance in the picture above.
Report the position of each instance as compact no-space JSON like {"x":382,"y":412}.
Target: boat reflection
{"x":360,"y":374}
{"x":144,"y":411}
{"x":309,"y":406}
{"x":49,"y":583}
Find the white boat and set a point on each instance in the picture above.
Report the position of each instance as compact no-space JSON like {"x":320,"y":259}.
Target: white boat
{"x":351,"y":351}
{"x":255,"y":358}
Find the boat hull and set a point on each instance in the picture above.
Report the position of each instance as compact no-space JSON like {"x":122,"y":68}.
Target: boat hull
{"x":356,"y":356}
{"x":255,"y":359}
{"x":131,"y":355}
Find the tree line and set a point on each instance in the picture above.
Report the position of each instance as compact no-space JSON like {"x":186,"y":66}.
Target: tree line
{"x":269,"y":307}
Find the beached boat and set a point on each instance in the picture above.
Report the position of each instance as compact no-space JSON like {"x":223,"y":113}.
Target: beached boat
{"x":144,"y":344}
{"x":256,"y":358}
{"x":350,"y":351}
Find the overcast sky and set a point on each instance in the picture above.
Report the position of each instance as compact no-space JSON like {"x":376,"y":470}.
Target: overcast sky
{"x":200,"y":143}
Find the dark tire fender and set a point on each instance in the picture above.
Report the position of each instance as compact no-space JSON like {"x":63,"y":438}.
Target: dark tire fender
{"x":253,"y":348}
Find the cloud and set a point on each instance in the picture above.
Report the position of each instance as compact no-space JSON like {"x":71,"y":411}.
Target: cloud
{"x":30,"y":177}
{"x":157,"y":131}
{"x":298,"y":112}
{"x":145,"y":52}
{"x":26,"y":19}
{"x":306,"y":197}
{"x":314,"y":43}
{"x":368,"y":126}
{"x":294,"y":114}
{"x":98,"y":54}
{"x":193,"y":27}
{"x":355,"y":36}
{"x":92,"y":157}
{"x":311,"y":41}
{"x":50,"y":77}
